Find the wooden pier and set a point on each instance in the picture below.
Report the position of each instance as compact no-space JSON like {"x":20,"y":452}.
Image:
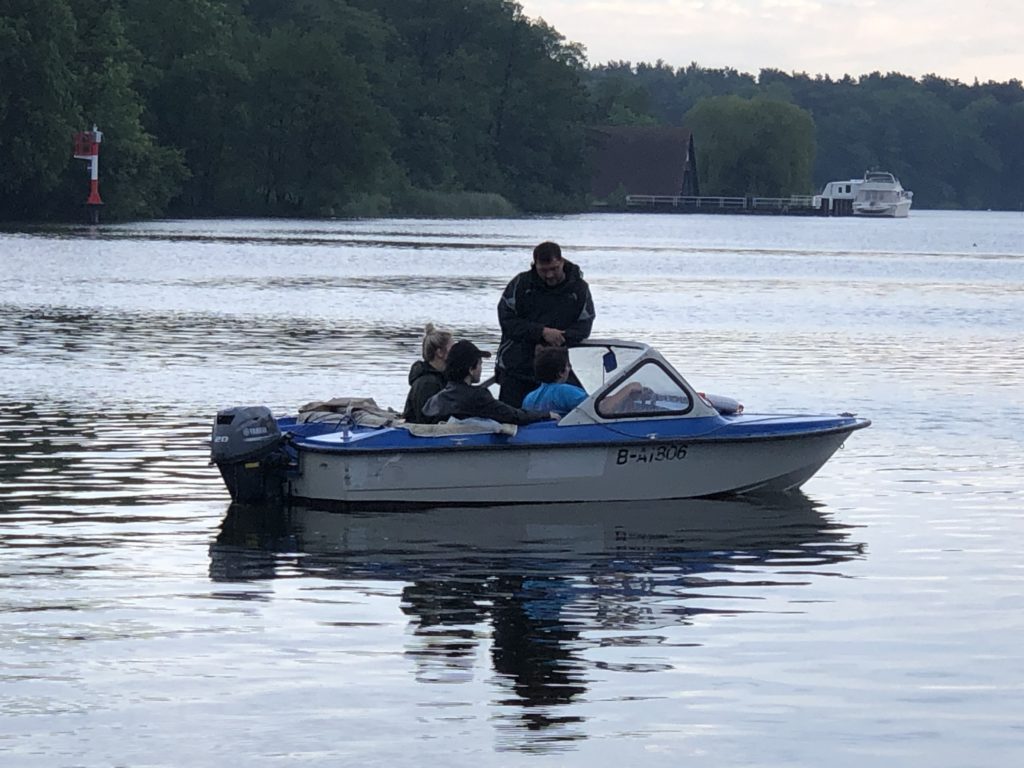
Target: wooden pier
{"x":794,"y":205}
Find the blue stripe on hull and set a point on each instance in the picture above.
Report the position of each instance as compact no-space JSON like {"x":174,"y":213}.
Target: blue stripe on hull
{"x":748,"y":427}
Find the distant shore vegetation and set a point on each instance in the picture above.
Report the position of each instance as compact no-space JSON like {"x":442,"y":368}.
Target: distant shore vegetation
{"x":364,"y":108}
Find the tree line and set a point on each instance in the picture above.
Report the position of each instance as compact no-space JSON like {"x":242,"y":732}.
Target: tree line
{"x":448,"y":107}
{"x":955,"y":145}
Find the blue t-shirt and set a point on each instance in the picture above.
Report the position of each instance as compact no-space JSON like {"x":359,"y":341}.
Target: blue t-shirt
{"x":560,"y":398}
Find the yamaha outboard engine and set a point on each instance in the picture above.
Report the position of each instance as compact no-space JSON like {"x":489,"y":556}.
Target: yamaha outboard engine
{"x":246,"y":449}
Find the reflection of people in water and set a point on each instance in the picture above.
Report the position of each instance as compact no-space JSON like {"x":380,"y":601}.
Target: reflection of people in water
{"x":444,"y":610}
{"x":523,"y":570}
{"x":532,"y":646}
{"x":530,"y":640}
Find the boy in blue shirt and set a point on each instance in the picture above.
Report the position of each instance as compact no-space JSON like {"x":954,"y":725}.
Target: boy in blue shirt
{"x":551,"y":367}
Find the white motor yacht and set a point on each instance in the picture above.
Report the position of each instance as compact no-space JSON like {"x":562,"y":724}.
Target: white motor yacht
{"x":881,"y":194}
{"x":878,"y":194}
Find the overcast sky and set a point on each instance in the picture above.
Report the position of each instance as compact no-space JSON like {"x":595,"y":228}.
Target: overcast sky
{"x":962,"y":39}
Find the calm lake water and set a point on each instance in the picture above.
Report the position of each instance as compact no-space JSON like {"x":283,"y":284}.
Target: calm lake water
{"x":875,"y":619}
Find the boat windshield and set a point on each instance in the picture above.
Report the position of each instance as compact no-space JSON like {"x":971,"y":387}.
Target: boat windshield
{"x":650,"y":390}
{"x":879,"y":196}
{"x":593,"y":364}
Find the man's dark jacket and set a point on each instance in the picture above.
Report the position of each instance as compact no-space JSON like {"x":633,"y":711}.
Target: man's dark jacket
{"x":528,"y":306}
{"x":425,"y":381}
{"x":464,"y":401}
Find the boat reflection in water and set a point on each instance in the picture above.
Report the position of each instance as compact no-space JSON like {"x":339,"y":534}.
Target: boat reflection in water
{"x":536,"y":584}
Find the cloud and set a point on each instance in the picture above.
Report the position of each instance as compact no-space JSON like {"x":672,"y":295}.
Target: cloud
{"x":946,"y":37}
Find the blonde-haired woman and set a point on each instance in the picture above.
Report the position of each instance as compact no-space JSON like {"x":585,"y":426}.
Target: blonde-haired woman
{"x":426,"y":377}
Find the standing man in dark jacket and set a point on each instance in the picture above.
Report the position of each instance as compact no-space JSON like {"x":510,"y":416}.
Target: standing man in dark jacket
{"x":548,"y":305}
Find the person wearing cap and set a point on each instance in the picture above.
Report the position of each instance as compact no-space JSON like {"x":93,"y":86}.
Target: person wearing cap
{"x":462,"y":399}
{"x":547,"y":305}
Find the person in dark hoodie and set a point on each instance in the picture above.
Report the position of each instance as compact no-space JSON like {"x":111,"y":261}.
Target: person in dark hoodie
{"x":426,"y":377}
{"x":462,"y":399}
{"x":547,"y":305}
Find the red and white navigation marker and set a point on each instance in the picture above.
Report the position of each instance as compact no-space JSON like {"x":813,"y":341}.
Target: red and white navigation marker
{"x":87,"y":147}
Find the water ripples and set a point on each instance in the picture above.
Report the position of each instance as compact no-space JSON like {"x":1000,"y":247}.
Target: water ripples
{"x":60,"y":462}
{"x":869,"y":620}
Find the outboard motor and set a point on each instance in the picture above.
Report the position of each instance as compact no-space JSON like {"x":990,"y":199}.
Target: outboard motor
{"x":246,"y":449}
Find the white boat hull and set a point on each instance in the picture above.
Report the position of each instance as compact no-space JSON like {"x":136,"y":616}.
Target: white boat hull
{"x":898,"y":210}
{"x":662,"y":470}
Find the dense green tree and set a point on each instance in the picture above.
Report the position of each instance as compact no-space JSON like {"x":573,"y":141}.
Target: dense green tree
{"x":617,"y":99}
{"x":488,"y":100}
{"x":202,"y":105}
{"x":317,"y":136}
{"x":197,"y":91}
{"x":753,"y":146}
{"x":1000,"y":127}
{"x":38,"y":108}
{"x":539,"y":132}
{"x":665,"y":94}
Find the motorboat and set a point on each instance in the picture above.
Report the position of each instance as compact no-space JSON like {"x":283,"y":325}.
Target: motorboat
{"x":644,"y":432}
{"x":878,"y":194}
{"x":881,"y":194}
